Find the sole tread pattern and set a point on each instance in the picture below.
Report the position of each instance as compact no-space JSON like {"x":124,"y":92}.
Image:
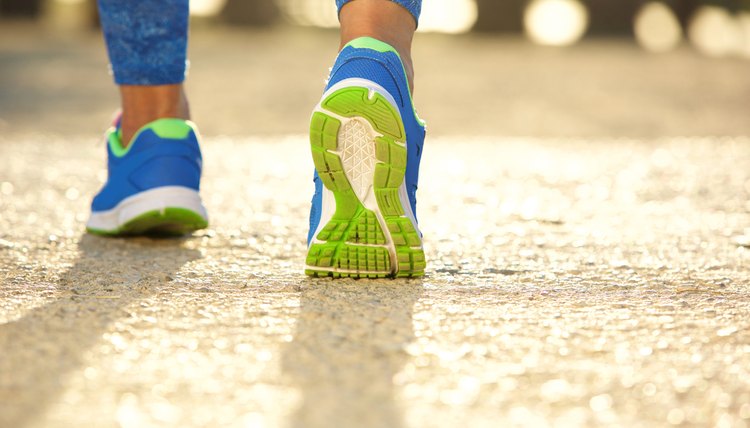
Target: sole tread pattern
{"x":352,"y":243}
{"x":172,"y":221}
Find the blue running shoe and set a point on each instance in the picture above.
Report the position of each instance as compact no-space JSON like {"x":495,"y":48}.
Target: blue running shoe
{"x":153,"y":184}
{"x":366,"y":143}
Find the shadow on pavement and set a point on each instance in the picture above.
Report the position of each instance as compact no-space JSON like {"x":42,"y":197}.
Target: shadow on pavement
{"x":49,"y":342}
{"x":349,"y":342}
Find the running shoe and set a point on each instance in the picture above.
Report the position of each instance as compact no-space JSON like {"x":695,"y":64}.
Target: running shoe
{"x":366,"y":141}
{"x":153,"y":184}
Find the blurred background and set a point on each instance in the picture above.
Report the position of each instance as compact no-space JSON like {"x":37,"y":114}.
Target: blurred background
{"x":616,"y":68}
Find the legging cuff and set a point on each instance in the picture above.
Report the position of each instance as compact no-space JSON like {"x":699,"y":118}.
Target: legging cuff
{"x":146,"y":40}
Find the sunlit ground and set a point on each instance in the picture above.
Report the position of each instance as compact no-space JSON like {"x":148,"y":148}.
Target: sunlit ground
{"x":571,"y":283}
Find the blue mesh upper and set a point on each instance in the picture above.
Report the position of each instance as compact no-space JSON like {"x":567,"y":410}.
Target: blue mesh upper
{"x":151,"y":162}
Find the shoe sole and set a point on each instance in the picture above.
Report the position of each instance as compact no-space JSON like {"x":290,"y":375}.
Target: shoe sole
{"x":359,"y":151}
{"x":164,"y":211}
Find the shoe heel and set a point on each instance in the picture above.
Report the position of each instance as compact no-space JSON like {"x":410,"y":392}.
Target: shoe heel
{"x":169,"y":210}
{"x":359,"y":150}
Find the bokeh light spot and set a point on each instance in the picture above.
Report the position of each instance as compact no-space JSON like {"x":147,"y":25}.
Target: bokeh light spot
{"x":206,"y":7}
{"x":714,"y":31}
{"x":657,"y":29}
{"x":448,"y":16}
{"x":556,"y":22}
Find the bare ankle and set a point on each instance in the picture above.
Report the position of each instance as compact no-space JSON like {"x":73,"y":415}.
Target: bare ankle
{"x":383,"y":20}
{"x":144,"y":104}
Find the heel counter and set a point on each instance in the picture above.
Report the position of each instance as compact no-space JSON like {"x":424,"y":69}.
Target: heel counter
{"x":370,"y":67}
{"x":182,"y":169}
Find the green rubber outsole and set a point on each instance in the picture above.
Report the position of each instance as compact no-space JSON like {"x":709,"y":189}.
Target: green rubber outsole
{"x":166,"y":222}
{"x":353,"y":243}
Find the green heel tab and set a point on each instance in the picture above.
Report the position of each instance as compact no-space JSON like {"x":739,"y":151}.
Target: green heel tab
{"x":175,"y":129}
{"x":114,"y":140}
{"x":169,"y":128}
{"x":372,"y":43}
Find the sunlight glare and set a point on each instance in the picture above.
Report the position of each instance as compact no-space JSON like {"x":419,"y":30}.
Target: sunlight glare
{"x":714,"y":32}
{"x":448,"y":16}
{"x":555,"y":22}
{"x":657,"y":28}
{"x":206,"y":7}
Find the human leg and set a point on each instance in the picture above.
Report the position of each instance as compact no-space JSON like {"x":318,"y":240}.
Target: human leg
{"x":142,"y":104}
{"x":391,"y":22}
{"x":147,"y":46}
{"x":366,"y":145}
{"x":154,"y":159}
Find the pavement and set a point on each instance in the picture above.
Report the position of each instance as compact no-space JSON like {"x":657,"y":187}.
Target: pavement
{"x":597,"y":277}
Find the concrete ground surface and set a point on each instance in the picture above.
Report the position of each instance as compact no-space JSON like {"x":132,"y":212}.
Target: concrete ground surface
{"x":598,"y":277}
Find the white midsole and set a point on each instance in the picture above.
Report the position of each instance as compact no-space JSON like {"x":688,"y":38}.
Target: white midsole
{"x":328,"y":207}
{"x":157,"y":199}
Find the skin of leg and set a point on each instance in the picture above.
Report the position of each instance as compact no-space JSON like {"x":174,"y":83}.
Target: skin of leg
{"x":383,"y":20}
{"x":142,"y":104}
{"x":147,"y":46}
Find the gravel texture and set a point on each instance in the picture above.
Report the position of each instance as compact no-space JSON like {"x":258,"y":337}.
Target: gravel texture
{"x":570,"y":283}
{"x":589,"y":281}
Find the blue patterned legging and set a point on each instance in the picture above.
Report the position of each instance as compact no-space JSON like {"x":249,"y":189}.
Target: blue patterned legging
{"x":147,"y":39}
